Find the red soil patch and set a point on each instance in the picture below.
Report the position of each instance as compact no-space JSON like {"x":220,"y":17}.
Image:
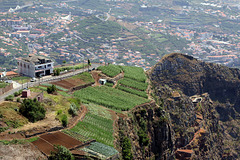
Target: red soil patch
{"x":59,"y":138}
{"x":96,"y":77}
{"x":69,"y":83}
{"x":44,"y":146}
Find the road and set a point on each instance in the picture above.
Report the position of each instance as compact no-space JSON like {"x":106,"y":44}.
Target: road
{"x":45,"y":79}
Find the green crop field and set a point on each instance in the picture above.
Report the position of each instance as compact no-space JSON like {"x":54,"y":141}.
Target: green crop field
{"x":102,"y":150}
{"x":133,"y":91}
{"x":109,"y":97}
{"x":110,"y":70}
{"x":58,"y":87}
{"x":135,"y":73}
{"x":133,"y":84}
{"x":97,"y":124}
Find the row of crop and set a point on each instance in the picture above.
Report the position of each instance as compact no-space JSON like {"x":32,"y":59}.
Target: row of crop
{"x":110,"y":70}
{"x":110,"y":97}
{"x":133,"y":84}
{"x":58,"y":87}
{"x":76,"y":135}
{"x":102,"y":149}
{"x":135,"y":73}
{"x":133,"y":91}
{"x":96,"y":127}
{"x":100,"y":111}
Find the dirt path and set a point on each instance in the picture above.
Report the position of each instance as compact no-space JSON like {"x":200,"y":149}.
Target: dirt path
{"x":96,"y":77}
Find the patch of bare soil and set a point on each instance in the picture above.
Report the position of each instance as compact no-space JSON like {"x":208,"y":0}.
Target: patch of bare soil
{"x":20,"y":152}
{"x":96,"y":77}
{"x":69,"y":83}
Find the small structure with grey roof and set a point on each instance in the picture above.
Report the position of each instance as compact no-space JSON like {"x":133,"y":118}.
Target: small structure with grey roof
{"x":35,"y":66}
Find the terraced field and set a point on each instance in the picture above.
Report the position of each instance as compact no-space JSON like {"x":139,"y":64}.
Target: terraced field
{"x":109,"y":97}
{"x":97,"y":124}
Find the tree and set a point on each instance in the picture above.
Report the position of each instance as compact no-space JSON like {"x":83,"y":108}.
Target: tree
{"x":89,"y":63}
{"x":64,"y":120}
{"x":61,"y":153}
{"x":126,"y":149}
{"x":51,"y":89}
{"x":32,"y":110}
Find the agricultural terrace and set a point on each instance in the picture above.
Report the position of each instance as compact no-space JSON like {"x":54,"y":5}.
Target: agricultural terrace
{"x":97,"y":124}
{"x":142,"y":86}
{"x":110,"y":70}
{"x":135,"y":73}
{"x":109,"y":97}
{"x":133,"y":91}
{"x":101,"y":150}
{"x":77,"y":80}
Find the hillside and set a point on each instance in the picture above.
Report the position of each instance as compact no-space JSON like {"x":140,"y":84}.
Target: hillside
{"x":136,"y":116}
{"x":189,"y":76}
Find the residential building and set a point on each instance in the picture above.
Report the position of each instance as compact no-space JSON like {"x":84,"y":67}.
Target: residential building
{"x":35,"y":66}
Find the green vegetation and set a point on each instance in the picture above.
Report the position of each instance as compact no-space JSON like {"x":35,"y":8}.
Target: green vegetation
{"x":57,"y":87}
{"x":85,"y":77}
{"x":126,"y":149}
{"x":79,"y":66}
{"x":32,"y":110}
{"x":109,"y":84}
{"x":3,"y":84}
{"x":73,"y":109}
{"x":97,"y":124}
{"x":10,"y":115}
{"x":100,"y":148}
{"x":135,"y":73}
{"x":60,"y":153}
{"x":21,"y":79}
{"x":142,"y":86}
{"x":133,"y":91}
{"x":51,"y":89}
{"x":110,"y":70}
{"x":64,"y":120}
{"x":9,"y":98}
{"x":19,"y":141}
{"x":109,"y":97}
{"x":96,"y":127}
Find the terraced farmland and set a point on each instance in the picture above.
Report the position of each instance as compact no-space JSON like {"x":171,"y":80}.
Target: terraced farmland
{"x":109,"y":97}
{"x":97,"y":124}
{"x":135,"y":73}
{"x":110,"y":70}
{"x":142,"y":86}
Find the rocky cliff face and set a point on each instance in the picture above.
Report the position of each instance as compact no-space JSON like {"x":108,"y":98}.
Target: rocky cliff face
{"x":201,"y":127}
{"x":196,"y":77}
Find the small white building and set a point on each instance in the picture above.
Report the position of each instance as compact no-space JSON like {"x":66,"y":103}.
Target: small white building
{"x":35,"y":66}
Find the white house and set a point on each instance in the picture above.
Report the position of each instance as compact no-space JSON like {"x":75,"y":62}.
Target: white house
{"x":35,"y":66}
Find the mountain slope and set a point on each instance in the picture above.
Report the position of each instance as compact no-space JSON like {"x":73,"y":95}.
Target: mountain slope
{"x":177,"y":75}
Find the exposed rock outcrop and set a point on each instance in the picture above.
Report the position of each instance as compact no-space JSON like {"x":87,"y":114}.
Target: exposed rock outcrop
{"x":201,"y":126}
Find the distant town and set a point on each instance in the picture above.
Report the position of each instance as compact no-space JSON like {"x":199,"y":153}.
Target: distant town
{"x":120,"y":32}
